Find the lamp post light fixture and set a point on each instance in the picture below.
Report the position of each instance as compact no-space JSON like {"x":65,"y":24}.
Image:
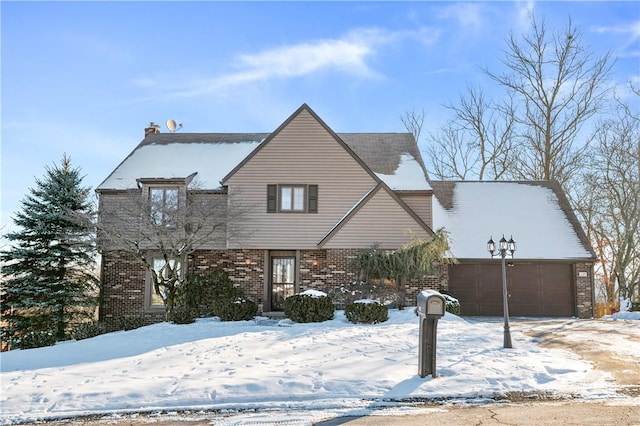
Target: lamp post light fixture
{"x":504,"y":248}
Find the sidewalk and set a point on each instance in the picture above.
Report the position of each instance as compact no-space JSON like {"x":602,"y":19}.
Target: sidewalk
{"x":572,"y":413}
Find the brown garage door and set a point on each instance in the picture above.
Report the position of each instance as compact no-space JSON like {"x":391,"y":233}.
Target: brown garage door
{"x":537,"y":290}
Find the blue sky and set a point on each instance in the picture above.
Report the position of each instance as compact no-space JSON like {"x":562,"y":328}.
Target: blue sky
{"x":85,"y":78}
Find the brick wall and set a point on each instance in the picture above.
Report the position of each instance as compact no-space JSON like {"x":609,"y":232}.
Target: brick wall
{"x":583,"y":276}
{"x":245,"y":269}
{"x":125,"y":280}
{"x":327,"y":269}
{"x":123,"y":290}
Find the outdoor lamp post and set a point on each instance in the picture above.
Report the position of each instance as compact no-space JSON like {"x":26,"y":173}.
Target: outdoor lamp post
{"x":505,"y":248}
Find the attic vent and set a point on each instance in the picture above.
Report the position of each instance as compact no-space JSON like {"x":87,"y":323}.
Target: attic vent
{"x":153,"y":128}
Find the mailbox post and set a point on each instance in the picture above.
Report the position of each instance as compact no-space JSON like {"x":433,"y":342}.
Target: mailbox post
{"x":431,"y":307}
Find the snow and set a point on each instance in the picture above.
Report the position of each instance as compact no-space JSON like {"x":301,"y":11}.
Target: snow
{"x":529,"y":213}
{"x":313,"y":293}
{"x":270,"y":365}
{"x":212,"y":162}
{"x":624,"y":316}
{"x":408,"y":176}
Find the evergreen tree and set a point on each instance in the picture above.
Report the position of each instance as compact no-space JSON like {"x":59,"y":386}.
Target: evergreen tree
{"x":48,"y":283}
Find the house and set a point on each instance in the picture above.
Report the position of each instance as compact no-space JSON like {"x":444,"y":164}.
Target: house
{"x":289,"y":210}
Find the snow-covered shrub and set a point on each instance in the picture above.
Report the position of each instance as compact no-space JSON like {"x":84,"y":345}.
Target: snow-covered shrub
{"x":238,"y":309}
{"x":87,"y":330}
{"x":366,"y":311}
{"x":37,"y":339}
{"x":129,"y":322}
{"x":452,"y":305}
{"x":309,"y":306}
{"x":358,"y":290}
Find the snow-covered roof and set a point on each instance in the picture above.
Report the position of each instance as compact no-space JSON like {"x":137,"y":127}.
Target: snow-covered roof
{"x":393,"y":157}
{"x":409,"y":176}
{"x":536,"y":214}
{"x":170,"y":155}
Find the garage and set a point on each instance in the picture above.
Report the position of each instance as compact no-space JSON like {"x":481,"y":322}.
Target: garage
{"x":535,"y":289}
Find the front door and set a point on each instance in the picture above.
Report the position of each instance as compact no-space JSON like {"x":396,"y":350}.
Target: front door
{"x":283,"y":279}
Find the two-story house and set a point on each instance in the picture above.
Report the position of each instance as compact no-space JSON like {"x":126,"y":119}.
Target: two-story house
{"x":288,"y":210}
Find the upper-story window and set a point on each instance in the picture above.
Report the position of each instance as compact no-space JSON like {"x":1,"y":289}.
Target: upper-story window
{"x":292,"y":198}
{"x":164,"y":205}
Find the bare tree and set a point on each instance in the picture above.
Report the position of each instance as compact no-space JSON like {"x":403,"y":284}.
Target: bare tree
{"x":160,"y":229}
{"x":476,"y":143}
{"x":610,"y":203}
{"x":413,"y":121}
{"x":557,"y":85}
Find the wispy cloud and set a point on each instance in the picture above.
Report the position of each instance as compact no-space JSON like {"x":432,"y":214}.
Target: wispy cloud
{"x":631,"y":31}
{"x":348,"y":55}
{"x":469,"y":15}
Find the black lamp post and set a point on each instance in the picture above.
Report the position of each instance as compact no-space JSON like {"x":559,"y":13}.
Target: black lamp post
{"x":505,"y":248}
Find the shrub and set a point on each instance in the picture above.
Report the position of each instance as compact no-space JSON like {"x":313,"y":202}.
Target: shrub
{"x":366,"y":311}
{"x":357,"y":290}
{"x":181,"y":314}
{"x":37,"y":339}
{"x":309,"y":307}
{"x":129,"y":322}
{"x":238,"y":309}
{"x":200,"y":294}
{"x":452,"y":305}
{"x":87,"y":330}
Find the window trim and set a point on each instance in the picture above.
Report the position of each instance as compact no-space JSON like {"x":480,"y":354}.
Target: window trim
{"x":149,"y":285}
{"x":167,"y":220}
{"x":281,"y":199}
{"x":310,"y":198}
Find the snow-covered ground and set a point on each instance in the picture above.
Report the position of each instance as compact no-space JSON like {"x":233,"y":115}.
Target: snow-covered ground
{"x":268,"y":364}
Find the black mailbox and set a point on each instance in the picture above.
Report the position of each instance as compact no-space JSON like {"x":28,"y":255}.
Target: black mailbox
{"x":431,"y":307}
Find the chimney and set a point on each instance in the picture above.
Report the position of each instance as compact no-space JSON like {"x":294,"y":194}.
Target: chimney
{"x":153,"y":128}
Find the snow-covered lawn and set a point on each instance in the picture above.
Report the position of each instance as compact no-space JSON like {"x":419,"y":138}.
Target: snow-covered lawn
{"x":279,"y":364}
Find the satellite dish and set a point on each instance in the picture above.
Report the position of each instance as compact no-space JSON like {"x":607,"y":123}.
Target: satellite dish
{"x":172,"y":126}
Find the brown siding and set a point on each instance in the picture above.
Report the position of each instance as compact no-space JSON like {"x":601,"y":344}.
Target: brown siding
{"x":421,"y":205}
{"x":381,"y":220}
{"x":122,"y":212}
{"x":304,"y":152}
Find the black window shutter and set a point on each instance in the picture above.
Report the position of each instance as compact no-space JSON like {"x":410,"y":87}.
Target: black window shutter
{"x":272,"y":198}
{"x":312,"y":206}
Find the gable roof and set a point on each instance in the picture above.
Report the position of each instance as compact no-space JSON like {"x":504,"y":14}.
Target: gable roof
{"x":393,"y":158}
{"x":537,"y":214}
{"x":362,"y":202}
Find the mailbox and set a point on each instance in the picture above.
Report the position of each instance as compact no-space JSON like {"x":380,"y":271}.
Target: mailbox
{"x":431,"y":304}
{"x":431,"y":307}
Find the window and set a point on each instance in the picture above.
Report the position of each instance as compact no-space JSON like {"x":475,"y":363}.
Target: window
{"x":164,"y":205}
{"x":292,"y":198}
{"x":165,"y":270}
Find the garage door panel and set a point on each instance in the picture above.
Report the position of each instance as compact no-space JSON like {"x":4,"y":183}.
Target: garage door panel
{"x":534,"y":289}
